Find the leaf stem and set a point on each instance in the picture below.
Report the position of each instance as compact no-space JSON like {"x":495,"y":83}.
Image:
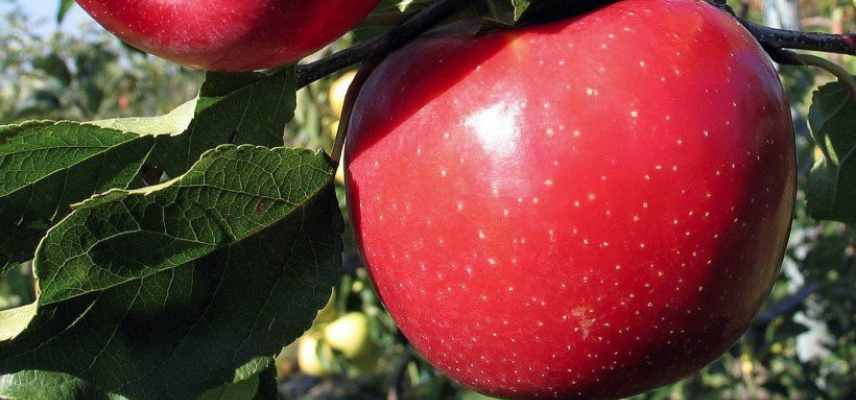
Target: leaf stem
{"x":351,"y":98}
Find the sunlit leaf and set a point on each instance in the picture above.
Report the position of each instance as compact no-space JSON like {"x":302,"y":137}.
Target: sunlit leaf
{"x":163,"y":292}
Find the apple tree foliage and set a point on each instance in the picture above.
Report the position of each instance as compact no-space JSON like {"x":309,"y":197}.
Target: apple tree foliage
{"x":173,"y":256}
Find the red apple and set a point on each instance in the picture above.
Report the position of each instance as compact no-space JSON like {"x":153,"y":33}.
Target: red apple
{"x":228,"y":35}
{"x":585,"y":209}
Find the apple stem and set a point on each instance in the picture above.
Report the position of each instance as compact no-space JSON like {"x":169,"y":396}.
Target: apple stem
{"x":351,"y":98}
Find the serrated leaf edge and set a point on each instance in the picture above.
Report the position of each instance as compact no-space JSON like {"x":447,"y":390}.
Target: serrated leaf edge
{"x":120,"y":193}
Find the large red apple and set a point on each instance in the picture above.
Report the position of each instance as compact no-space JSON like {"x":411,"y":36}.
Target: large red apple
{"x":228,"y":35}
{"x":585,"y":209}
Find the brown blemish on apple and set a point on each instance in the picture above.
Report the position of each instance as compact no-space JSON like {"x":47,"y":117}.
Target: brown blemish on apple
{"x":585,"y":323}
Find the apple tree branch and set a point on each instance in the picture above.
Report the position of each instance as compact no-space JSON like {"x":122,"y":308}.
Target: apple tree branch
{"x":777,"y":42}
{"x":392,"y":40}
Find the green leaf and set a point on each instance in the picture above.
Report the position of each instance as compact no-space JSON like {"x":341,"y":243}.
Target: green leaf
{"x":42,"y":385}
{"x":831,"y":192}
{"x":495,"y":14}
{"x":244,"y":390}
{"x":253,"y":381}
{"x":6,"y":268}
{"x":542,"y":11}
{"x":173,"y":123}
{"x":150,"y":310}
{"x":64,"y":7}
{"x":381,"y":18}
{"x":230,"y":195}
{"x":15,"y":320}
{"x":46,"y":166}
{"x":249,"y":108}
{"x":520,"y":7}
{"x":504,"y":14}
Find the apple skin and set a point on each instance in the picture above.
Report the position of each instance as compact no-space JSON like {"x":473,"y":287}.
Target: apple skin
{"x":228,"y":35}
{"x":585,"y":209}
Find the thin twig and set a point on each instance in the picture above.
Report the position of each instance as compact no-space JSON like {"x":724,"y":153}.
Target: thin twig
{"x":814,"y":41}
{"x":396,"y":386}
{"x":770,"y":38}
{"x":786,"y":305}
{"x":392,"y":40}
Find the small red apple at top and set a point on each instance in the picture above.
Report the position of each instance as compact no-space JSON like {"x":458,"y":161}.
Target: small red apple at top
{"x":228,"y":35}
{"x":585,"y":209}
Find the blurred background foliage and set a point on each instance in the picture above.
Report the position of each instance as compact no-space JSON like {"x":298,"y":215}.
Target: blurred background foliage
{"x":802,"y":346}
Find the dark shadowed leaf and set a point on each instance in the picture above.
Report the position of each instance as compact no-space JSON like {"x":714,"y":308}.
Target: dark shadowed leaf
{"x":832,"y":181}
{"x":229,"y":196}
{"x":250,"y":108}
{"x":150,"y":310}
{"x":254,"y":381}
{"x":41,"y":385}
{"x":46,"y":166}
